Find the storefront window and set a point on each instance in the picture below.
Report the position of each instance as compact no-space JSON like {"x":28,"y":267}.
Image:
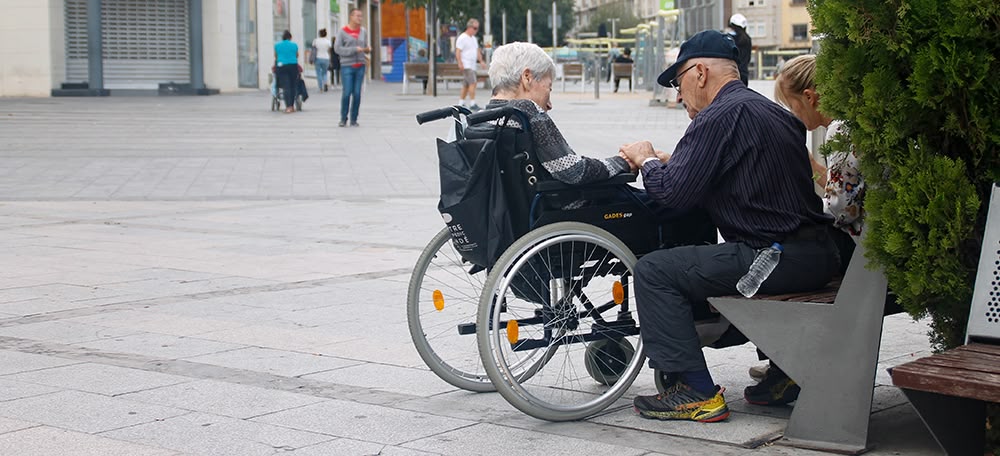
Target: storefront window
{"x":246,"y":37}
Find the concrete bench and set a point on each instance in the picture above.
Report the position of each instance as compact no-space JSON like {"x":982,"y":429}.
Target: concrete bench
{"x":828,"y":342}
{"x":950,"y":390}
{"x":622,"y":71}
{"x":573,"y":71}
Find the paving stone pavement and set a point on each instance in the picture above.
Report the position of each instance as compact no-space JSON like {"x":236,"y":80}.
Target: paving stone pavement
{"x":201,"y":276}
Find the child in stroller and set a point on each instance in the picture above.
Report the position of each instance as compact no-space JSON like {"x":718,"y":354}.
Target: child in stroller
{"x":278,"y":93}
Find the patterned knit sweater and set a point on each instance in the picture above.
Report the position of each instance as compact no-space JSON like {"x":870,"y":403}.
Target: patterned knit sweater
{"x":555,"y":154}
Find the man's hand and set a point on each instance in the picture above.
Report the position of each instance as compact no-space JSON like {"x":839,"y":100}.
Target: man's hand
{"x":637,"y":152}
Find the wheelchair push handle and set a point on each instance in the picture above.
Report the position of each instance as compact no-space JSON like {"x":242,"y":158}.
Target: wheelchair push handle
{"x":438,"y":114}
{"x":492,"y":114}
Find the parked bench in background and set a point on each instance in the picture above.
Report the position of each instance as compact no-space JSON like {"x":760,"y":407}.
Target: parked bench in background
{"x":446,"y":72}
{"x":573,"y":71}
{"x":415,"y":71}
{"x":950,"y":390}
{"x":828,"y":342}
{"x":621,"y":71}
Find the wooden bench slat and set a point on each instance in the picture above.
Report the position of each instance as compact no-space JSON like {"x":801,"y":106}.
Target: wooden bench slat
{"x":825,"y":295}
{"x":944,"y":380}
{"x":981,"y":348}
{"x":961,"y":365}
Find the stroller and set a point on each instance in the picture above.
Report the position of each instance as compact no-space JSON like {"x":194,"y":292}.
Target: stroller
{"x":278,"y":93}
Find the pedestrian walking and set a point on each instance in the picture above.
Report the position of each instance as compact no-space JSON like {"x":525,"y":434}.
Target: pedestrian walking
{"x":467,"y":55}
{"x":321,"y":46}
{"x":353,"y":48}
{"x":286,"y":56}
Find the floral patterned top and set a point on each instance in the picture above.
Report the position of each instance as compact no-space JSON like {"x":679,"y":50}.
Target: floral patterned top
{"x":845,"y":188}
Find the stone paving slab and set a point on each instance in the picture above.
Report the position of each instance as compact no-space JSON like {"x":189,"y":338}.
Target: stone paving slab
{"x":12,"y":362}
{"x":373,"y":423}
{"x":222,"y":398}
{"x":98,"y":378}
{"x":11,"y":389}
{"x":85,"y":412}
{"x":278,"y":362}
{"x":49,"y":441}
{"x":201,"y":433}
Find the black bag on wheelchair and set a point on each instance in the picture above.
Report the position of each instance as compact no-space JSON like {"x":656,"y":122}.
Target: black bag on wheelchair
{"x":472,"y":203}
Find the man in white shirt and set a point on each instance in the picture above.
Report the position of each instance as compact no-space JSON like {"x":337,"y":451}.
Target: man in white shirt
{"x":467,"y":55}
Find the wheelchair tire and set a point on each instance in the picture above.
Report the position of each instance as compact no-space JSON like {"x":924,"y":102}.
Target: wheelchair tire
{"x":605,"y":358}
{"x":452,"y":356}
{"x":518,"y":327}
{"x":298,"y":102}
{"x":275,"y":103}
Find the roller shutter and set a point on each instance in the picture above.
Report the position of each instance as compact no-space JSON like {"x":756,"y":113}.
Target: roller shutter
{"x":146,"y":42}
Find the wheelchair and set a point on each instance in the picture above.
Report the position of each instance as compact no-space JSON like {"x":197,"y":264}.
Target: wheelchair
{"x":278,"y":92}
{"x":550,"y":324}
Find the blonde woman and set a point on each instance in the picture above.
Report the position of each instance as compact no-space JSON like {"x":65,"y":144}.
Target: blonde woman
{"x":795,"y":87}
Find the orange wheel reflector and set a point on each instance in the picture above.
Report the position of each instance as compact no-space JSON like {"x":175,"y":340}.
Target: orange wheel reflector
{"x":512,"y":332}
{"x":618,"y":292}
{"x":438,"y":300}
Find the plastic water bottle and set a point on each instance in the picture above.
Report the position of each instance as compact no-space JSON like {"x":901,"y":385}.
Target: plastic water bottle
{"x":762,"y":266}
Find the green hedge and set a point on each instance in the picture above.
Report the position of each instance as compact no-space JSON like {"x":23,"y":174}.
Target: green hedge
{"x":917,"y":84}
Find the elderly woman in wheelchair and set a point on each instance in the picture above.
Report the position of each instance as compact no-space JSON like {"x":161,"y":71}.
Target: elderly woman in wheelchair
{"x":550,"y":321}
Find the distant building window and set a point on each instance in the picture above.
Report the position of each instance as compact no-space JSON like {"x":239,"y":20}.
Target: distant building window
{"x":798,"y":2}
{"x":752,"y":3}
{"x":800,"y":32}
{"x":756,"y":30}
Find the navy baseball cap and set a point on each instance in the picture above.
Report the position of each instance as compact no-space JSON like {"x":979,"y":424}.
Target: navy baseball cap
{"x":707,"y":43}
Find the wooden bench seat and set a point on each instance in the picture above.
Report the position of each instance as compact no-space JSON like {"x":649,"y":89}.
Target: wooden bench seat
{"x":950,"y":391}
{"x":446,"y":72}
{"x":825,"y":295}
{"x":622,"y":71}
{"x":970,"y":371}
{"x":573,"y":71}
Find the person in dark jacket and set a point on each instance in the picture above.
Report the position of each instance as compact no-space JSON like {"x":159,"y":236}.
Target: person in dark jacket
{"x":626,"y":57}
{"x":738,"y":24}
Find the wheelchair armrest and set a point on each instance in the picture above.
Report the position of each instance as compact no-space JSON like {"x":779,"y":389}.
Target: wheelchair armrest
{"x":555,"y":185}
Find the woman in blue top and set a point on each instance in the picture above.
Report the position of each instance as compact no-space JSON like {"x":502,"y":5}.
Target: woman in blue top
{"x":286,"y":56}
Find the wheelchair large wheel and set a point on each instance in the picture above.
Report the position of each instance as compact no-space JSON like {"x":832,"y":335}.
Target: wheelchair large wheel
{"x":559,"y":301}
{"x":441,"y":311}
{"x":275,"y":103}
{"x":298,"y":102}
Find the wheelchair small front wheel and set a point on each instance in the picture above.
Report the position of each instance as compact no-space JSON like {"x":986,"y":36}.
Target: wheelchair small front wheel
{"x":607,"y":360}
{"x":441,"y":311}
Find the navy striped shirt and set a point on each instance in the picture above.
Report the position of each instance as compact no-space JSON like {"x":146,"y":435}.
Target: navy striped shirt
{"x":744,"y":160}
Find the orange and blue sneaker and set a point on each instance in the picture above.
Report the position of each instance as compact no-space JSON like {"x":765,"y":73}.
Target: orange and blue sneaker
{"x":681,"y":402}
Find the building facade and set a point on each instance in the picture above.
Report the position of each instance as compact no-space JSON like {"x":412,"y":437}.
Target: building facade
{"x":148,"y":44}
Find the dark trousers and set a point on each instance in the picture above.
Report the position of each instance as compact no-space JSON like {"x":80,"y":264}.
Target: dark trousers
{"x":288,"y":75}
{"x":672,"y":287}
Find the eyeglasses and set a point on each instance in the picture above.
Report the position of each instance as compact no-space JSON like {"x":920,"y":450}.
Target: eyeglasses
{"x":676,"y":81}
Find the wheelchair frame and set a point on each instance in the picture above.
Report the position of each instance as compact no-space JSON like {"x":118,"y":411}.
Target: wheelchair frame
{"x":580,"y":310}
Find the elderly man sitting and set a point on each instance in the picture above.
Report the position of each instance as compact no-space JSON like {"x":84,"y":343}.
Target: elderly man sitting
{"x":743,"y":160}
